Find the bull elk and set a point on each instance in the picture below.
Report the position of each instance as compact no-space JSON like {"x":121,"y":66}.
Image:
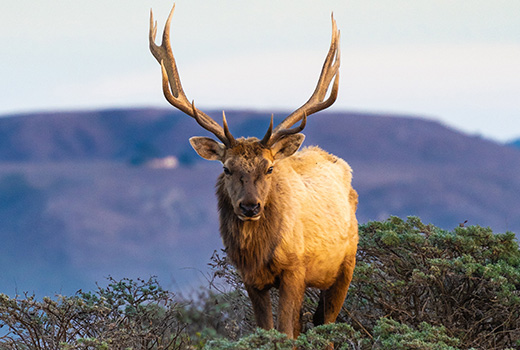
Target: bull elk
{"x":287,"y":217}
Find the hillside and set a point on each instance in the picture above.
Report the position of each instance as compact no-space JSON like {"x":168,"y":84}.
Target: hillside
{"x":78,"y":201}
{"x":515,"y":143}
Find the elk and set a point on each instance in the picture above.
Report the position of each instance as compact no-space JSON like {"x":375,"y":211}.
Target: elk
{"x":287,"y":217}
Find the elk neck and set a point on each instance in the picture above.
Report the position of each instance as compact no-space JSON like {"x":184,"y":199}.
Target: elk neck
{"x":250,"y":244}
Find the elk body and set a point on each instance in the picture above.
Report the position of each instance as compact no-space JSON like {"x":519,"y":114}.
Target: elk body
{"x":287,"y":217}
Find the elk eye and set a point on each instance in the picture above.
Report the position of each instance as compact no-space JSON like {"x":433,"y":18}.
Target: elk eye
{"x":227,"y":171}
{"x":270,"y":170}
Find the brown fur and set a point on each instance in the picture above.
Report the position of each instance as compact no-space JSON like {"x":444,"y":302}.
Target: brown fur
{"x":306,"y":235}
{"x":287,"y":219}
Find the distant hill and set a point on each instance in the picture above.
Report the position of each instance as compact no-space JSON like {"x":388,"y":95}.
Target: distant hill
{"x":515,"y":143}
{"x":80,"y":196}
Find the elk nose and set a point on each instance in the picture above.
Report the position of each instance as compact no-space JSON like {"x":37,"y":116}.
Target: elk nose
{"x":250,"y":209}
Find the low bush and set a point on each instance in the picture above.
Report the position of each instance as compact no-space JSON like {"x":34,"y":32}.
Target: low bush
{"x":415,"y":287}
{"x":387,"y":334}
{"x":126,"y":314}
{"x":466,"y":280}
{"x":463,"y":284}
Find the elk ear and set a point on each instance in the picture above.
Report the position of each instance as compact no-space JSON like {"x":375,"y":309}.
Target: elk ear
{"x":287,"y":146}
{"x":207,"y":148}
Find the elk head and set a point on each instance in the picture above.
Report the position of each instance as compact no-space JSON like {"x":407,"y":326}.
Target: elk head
{"x":249,"y":163}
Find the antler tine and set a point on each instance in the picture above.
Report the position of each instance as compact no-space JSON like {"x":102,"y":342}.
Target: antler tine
{"x":282,"y":133}
{"x":267,"y":137}
{"x":317,"y":101}
{"x":172,"y":87}
{"x":229,"y":138}
{"x":164,"y":53}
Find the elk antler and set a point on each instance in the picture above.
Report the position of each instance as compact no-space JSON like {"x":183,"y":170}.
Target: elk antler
{"x":172,"y":87}
{"x":317,"y":101}
{"x":270,"y":139}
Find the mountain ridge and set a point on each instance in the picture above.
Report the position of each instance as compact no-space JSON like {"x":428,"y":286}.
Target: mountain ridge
{"x":76,"y":191}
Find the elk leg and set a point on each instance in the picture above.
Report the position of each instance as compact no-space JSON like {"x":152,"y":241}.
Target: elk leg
{"x":332,"y":299}
{"x":292,"y":288}
{"x":262,"y":309}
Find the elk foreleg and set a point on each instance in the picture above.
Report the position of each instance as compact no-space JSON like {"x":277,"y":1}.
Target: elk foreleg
{"x":292,"y":288}
{"x":261,"y":301}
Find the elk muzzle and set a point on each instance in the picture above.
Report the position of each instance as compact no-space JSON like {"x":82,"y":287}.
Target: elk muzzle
{"x":249,"y":203}
{"x":250,"y":210}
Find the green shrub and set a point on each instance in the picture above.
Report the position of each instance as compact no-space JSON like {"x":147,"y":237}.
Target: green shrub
{"x":388,"y":334}
{"x":126,"y":314}
{"x":260,"y":339}
{"x":391,"y":334}
{"x":415,"y":286}
{"x":342,"y":335}
{"x":465,"y":283}
{"x":466,"y":280}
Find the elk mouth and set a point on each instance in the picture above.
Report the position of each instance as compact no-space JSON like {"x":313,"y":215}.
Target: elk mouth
{"x":249,"y":218}
{"x":249,"y":211}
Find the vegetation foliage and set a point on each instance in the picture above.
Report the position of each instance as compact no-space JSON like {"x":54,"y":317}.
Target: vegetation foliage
{"x":466,"y":280}
{"x":415,"y":287}
{"x":125,"y":315}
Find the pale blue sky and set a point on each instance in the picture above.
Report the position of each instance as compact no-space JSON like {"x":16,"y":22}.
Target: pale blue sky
{"x":454,"y":61}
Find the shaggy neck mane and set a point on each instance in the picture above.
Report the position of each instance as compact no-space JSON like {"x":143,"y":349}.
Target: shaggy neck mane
{"x":250,"y":244}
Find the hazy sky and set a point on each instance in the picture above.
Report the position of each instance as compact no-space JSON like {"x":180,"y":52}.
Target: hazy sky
{"x":455,"y":61}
